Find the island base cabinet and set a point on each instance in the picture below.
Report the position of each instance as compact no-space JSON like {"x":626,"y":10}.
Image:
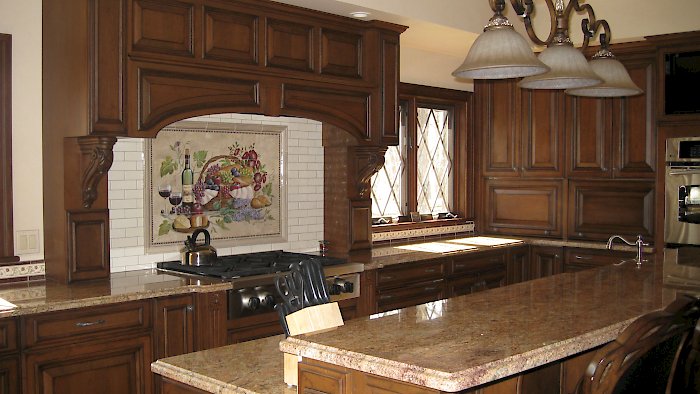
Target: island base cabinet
{"x":562,"y":376}
{"x":9,"y":375}
{"x":117,"y":367}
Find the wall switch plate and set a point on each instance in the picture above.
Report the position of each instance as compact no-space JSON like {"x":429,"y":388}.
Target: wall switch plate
{"x":27,"y":241}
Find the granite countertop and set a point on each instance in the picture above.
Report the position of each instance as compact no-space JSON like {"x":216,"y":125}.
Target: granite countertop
{"x":253,"y":367}
{"x":36,"y":297}
{"x":467,"y":341}
{"x":460,"y":342}
{"x":40,"y":296}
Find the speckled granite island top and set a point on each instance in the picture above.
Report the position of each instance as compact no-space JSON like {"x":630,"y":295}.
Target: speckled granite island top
{"x":251,"y":368}
{"x":467,"y":341}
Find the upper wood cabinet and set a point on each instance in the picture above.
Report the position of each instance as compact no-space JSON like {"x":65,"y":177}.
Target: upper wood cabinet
{"x":615,"y":137}
{"x":138,"y":65}
{"x":522,"y":130}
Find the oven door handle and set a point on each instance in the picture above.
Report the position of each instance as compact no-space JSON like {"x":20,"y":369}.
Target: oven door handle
{"x":690,"y":171}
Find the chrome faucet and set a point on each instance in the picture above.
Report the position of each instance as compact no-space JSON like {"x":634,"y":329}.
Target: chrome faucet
{"x":639,"y":243}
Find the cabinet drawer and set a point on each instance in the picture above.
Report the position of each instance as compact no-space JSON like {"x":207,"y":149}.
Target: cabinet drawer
{"x":86,"y":323}
{"x":410,"y":295}
{"x":479,"y":263}
{"x":8,"y":335}
{"x":407,"y":273}
{"x":577,"y":259}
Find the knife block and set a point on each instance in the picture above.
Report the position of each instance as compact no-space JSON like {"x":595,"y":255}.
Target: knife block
{"x":310,"y":319}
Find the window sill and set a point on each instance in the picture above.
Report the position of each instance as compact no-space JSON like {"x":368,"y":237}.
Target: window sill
{"x":383,"y":228}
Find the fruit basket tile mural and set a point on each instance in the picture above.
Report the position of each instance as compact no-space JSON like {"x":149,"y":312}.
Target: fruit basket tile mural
{"x":227,"y":178}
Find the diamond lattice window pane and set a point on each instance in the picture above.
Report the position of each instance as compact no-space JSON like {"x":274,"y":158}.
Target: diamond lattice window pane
{"x":434,"y":160}
{"x":389,"y":183}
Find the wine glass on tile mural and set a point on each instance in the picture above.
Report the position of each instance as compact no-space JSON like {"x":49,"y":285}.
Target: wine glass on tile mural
{"x":175,"y":198}
{"x":164,"y":191}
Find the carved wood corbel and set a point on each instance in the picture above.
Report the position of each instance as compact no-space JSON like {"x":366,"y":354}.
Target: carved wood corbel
{"x":368,"y":160}
{"x":96,"y":159}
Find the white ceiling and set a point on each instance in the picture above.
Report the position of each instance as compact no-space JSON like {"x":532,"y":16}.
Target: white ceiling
{"x":441,"y":31}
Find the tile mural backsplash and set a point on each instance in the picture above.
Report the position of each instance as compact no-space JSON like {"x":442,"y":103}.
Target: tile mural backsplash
{"x":304,"y":194}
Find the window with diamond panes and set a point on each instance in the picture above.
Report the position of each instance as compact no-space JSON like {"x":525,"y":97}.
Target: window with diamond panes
{"x":432,"y":153}
{"x":435,"y":158}
{"x":389,"y":183}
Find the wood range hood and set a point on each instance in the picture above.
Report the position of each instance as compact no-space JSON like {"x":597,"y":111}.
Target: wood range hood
{"x":128,"y":68}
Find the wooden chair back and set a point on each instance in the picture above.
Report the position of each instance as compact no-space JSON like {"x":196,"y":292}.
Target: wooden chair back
{"x":651,"y":355}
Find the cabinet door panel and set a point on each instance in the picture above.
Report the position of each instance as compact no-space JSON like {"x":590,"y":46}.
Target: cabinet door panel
{"x":518,"y":265}
{"x":119,"y":366}
{"x":163,"y":28}
{"x":545,"y":261}
{"x":174,"y":326}
{"x":9,"y":375}
{"x":600,"y":209}
{"x":542,"y":125}
{"x":230,"y":36}
{"x":634,"y":127}
{"x":500,"y":127}
{"x":589,"y":124}
{"x":524,"y":208}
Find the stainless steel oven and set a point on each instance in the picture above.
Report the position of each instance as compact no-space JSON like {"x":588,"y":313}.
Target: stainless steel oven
{"x":682,"y":225}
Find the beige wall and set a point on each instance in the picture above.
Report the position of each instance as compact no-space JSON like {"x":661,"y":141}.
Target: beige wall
{"x":22,"y":19}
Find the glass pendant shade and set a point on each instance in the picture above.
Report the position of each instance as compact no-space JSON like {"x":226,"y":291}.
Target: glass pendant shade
{"x":616,"y":80}
{"x":569,"y":69}
{"x":500,"y":52}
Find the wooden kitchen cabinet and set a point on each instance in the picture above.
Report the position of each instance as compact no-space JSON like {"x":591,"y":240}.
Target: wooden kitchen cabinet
{"x":522,"y":130}
{"x":9,"y":357}
{"x":173,"y":326}
{"x":409,"y":284}
{"x":107,"y":349}
{"x":518,"y":264}
{"x":546,"y":261}
{"x":578,"y":259}
{"x":471,"y":273}
{"x":523,"y":207}
{"x":615,"y":138}
{"x":599,"y":209}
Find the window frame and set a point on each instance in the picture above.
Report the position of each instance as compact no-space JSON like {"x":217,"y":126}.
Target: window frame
{"x":460,"y":102}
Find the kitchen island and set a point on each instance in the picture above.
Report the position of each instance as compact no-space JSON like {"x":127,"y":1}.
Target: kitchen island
{"x":536,"y":332}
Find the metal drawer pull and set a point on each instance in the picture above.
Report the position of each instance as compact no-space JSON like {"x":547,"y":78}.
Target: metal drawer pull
{"x":90,"y":323}
{"x":385,"y":297}
{"x":430,"y":289}
{"x":429,"y":270}
{"x":460,"y":265}
{"x":386,"y":277}
{"x":584,"y":258}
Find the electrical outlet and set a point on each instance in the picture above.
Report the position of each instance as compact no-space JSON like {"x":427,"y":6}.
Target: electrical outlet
{"x":27,"y":241}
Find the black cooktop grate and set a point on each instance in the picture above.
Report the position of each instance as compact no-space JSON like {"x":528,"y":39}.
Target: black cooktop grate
{"x":248,"y":264}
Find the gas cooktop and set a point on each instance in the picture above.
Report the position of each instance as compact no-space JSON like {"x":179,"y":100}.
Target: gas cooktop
{"x":248,"y":264}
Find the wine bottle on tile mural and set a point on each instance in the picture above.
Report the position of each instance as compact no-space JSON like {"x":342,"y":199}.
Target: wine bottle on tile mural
{"x":187,"y":182}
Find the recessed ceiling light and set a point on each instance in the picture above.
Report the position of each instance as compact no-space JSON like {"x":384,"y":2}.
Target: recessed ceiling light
{"x":359,"y":14}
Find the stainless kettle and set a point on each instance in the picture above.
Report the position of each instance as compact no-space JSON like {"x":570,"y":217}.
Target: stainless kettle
{"x":198,"y":254}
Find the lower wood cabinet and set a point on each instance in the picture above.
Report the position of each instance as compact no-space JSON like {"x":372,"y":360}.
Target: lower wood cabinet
{"x":477,"y":272}
{"x":545,"y":261}
{"x":578,"y":259}
{"x":9,"y":375}
{"x":518,"y":264}
{"x":115,"y":366}
{"x":410,"y":294}
{"x":174,"y":326}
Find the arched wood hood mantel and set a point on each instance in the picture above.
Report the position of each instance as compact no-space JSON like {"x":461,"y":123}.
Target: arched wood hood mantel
{"x":127,"y":68}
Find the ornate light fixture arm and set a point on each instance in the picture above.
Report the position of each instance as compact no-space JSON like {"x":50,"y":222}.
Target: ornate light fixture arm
{"x":558,"y":19}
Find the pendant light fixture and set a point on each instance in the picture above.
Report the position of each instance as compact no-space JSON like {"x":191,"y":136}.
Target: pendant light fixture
{"x":500,"y":52}
{"x":566,"y":67}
